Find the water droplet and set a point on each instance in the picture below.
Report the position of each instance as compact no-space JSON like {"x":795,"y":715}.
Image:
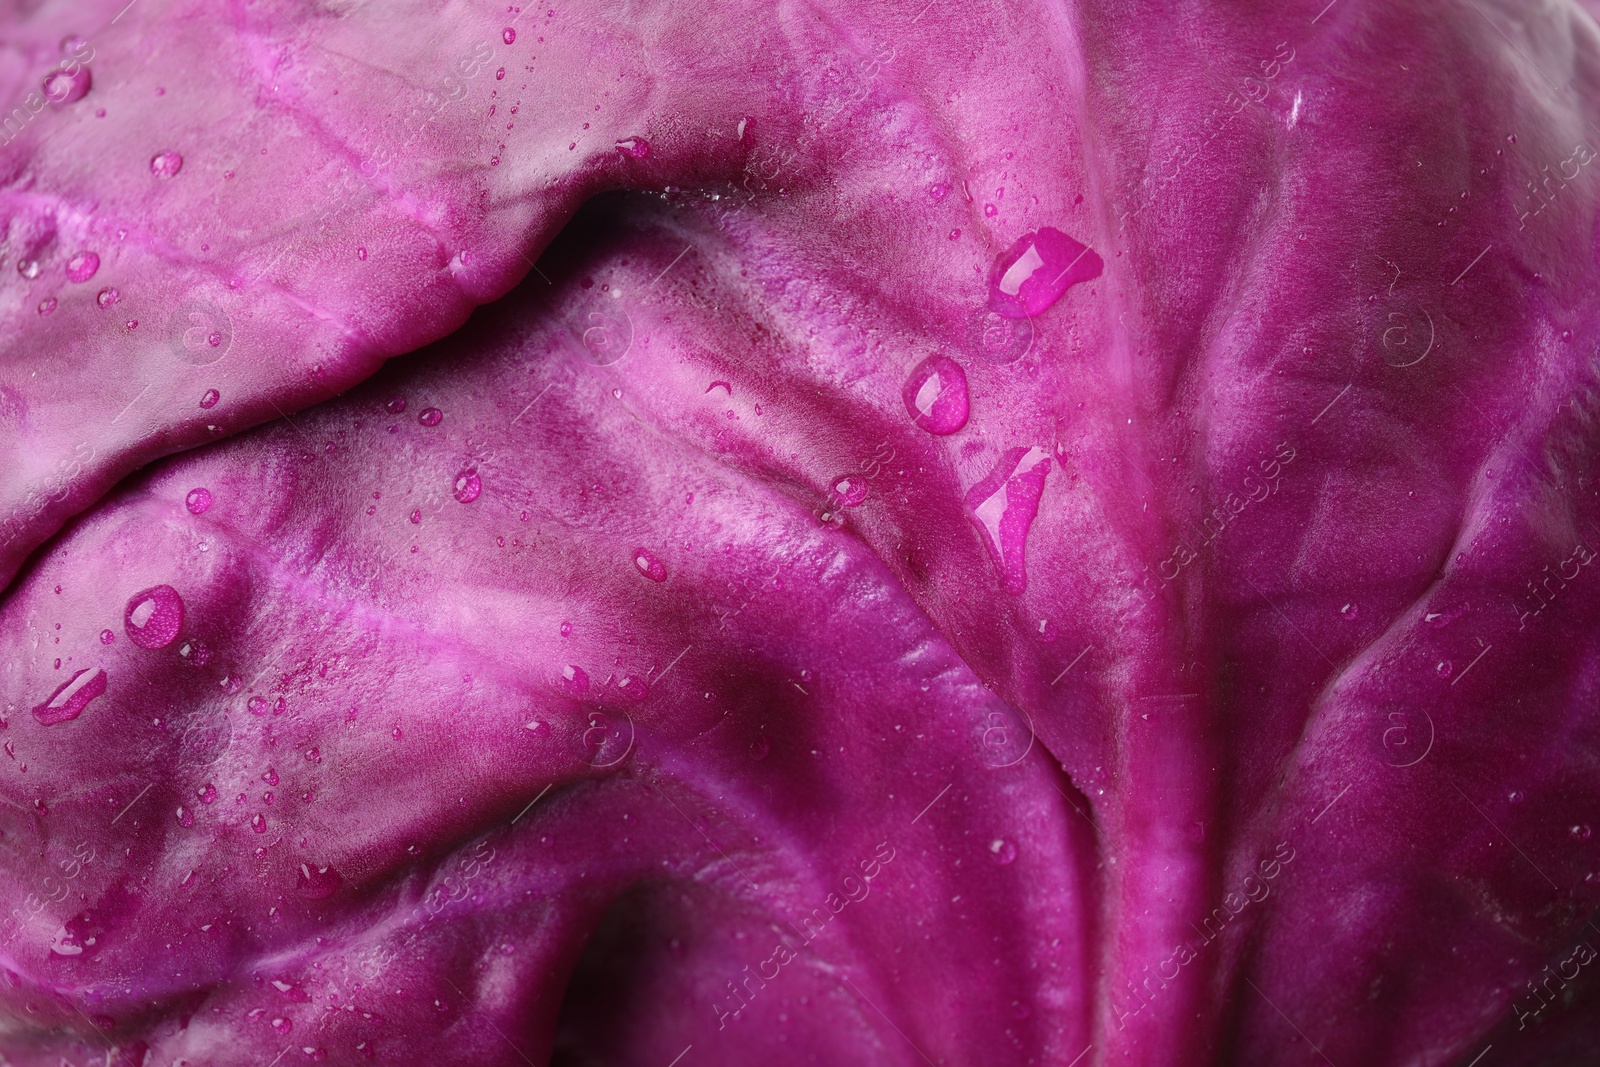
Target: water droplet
{"x":1511,"y":138}
{"x":196,"y":653}
{"x":1581,"y":832}
{"x":107,"y":637}
{"x":576,"y":678}
{"x":207,"y":793}
{"x":28,"y":268}
{"x":82,"y":266}
{"x":936,"y":395}
{"x":71,"y":697}
{"x":395,"y":406}
{"x":634,"y":686}
{"x":270,"y":777}
{"x":317,"y":883}
{"x":46,"y":306}
{"x":416,"y":516}
{"x":1005,"y":505}
{"x":1515,"y":796}
{"x":166,"y":164}
{"x":154,"y":617}
{"x":1445,"y":668}
{"x":280,"y":1024}
{"x":468,"y":486}
{"x":63,"y":87}
{"x":760,"y":748}
{"x":1031,"y":275}
{"x":990,"y":211}
{"x":508,"y":35}
{"x":209,"y":400}
{"x":132,"y":324}
{"x":430,"y":416}
{"x":1047,"y":631}
{"x":107,"y":297}
{"x":634,"y":148}
{"x":258,"y":823}
{"x":850,"y":491}
{"x":546,"y":840}
{"x":1349,"y":612}
{"x":314,"y":754}
{"x":185,"y":816}
{"x":538,"y":728}
{"x":500,"y":75}
{"x":1002,"y":851}
{"x":198,"y":500}
{"x":256,"y":705}
{"x":649,"y":566}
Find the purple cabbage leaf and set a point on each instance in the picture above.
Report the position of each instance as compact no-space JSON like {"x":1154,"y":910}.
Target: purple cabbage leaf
{"x":1014,"y":535}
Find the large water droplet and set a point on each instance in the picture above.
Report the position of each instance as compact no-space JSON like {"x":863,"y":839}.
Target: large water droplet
{"x":1032,"y":274}
{"x":207,"y":793}
{"x":634,"y":148}
{"x":67,"y":87}
{"x":28,"y":268}
{"x":65,"y":943}
{"x":270,"y":776}
{"x":649,"y":566}
{"x":198,"y":500}
{"x":468,"y":486}
{"x":1005,"y":505}
{"x":936,"y":395}
{"x":850,"y":490}
{"x":258,"y":823}
{"x":72,"y":696}
{"x":508,"y":35}
{"x":395,"y":405}
{"x":430,"y":416}
{"x":576,"y":678}
{"x":165,"y":164}
{"x":209,"y":400}
{"x":154,"y":617}
{"x":107,"y":297}
{"x":82,"y":266}
{"x":280,"y":1024}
